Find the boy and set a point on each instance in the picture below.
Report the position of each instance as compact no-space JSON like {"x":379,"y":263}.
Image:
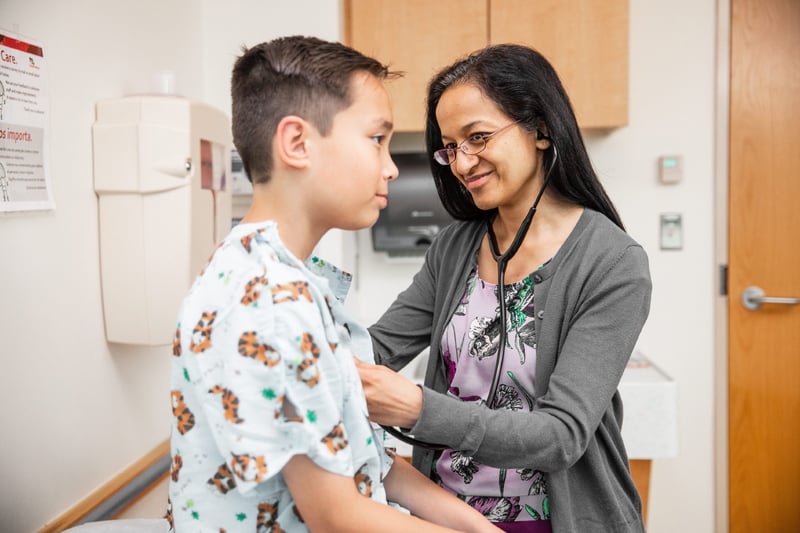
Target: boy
{"x":271,"y":430}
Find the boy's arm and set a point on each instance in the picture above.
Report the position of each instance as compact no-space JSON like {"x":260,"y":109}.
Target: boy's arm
{"x":330,"y":502}
{"x":408,"y":487}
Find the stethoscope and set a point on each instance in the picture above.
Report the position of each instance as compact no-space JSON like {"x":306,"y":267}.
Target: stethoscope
{"x":502,"y":261}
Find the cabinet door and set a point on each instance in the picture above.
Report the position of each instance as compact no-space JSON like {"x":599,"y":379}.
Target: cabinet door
{"x":587,"y":43}
{"x":417,"y":37}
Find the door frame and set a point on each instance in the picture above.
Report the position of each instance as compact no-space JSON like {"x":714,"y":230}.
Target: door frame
{"x":721,"y":198}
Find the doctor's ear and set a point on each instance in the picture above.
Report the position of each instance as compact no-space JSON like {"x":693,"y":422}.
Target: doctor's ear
{"x":291,"y":141}
{"x":543,"y":141}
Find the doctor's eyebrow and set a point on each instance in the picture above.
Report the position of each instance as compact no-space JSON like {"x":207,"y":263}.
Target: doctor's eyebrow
{"x":465,"y":128}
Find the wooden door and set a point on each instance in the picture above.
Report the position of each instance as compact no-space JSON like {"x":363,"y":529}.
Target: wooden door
{"x":587,"y":43}
{"x":764,"y":251}
{"x":418,"y":37}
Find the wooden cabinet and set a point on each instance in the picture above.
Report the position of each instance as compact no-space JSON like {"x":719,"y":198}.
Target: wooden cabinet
{"x":586,"y":41}
{"x":417,"y":37}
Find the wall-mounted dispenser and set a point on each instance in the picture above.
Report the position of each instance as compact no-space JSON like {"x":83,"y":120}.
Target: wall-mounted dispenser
{"x":161,"y":164}
{"x":414,"y":214}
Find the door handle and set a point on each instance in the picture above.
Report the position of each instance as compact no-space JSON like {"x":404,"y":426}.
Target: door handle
{"x":753,"y":298}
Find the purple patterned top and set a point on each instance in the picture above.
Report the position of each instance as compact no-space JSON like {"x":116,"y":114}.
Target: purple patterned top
{"x":470,"y":347}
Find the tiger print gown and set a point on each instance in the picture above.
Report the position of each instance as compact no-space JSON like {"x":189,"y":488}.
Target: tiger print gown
{"x":262,"y":370}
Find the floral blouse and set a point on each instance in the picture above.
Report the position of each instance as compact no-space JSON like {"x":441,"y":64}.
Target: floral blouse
{"x":470,"y":347}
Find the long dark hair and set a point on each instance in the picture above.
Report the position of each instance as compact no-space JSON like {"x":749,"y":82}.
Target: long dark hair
{"x":525,"y":86}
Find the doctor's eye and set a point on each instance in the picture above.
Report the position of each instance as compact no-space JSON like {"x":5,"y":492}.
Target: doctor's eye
{"x":478,"y":137}
{"x":477,"y":141}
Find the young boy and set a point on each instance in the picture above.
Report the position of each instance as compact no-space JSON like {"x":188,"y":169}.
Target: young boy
{"x":271,"y":428}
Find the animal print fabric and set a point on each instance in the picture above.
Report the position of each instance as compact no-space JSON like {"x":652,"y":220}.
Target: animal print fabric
{"x":262,"y":370}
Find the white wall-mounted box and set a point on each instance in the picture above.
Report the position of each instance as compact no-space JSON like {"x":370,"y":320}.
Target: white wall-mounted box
{"x":161,"y":174}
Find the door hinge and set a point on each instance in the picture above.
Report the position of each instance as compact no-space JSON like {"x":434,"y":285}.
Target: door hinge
{"x":723,"y":280}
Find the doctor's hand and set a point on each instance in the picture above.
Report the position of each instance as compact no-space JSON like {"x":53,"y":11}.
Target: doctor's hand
{"x":392,"y":399}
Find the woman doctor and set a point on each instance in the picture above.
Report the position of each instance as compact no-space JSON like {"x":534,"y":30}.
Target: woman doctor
{"x":519,"y":414}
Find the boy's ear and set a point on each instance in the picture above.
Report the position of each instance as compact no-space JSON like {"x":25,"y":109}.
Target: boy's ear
{"x":291,"y":138}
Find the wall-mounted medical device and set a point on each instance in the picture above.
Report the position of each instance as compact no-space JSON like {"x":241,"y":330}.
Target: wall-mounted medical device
{"x":414,"y":214}
{"x":161,"y":172}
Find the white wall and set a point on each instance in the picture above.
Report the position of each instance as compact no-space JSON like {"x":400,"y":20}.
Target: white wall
{"x":79,"y":410}
{"x":673,"y":74}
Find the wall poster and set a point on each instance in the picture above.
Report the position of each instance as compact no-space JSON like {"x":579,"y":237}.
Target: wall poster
{"x":24,"y":179}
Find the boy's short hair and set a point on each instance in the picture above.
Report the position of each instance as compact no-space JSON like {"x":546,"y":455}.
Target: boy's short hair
{"x":297,"y":75}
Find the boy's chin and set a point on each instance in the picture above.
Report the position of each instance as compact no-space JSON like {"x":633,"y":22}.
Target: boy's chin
{"x":364,"y":222}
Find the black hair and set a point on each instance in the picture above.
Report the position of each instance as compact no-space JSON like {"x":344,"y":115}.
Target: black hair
{"x":525,"y":86}
{"x":303,"y":76}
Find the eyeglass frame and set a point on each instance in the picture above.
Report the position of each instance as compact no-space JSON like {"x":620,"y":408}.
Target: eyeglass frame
{"x":438,"y":154}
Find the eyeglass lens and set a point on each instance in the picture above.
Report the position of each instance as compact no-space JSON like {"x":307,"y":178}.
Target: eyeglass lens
{"x":446,"y":156}
{"x":470,"y":146}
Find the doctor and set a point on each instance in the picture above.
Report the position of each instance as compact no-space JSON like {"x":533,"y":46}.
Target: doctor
{"x":530,"y":303}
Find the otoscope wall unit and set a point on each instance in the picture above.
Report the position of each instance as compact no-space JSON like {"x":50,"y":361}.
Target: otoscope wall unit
{"x":161,"y":171}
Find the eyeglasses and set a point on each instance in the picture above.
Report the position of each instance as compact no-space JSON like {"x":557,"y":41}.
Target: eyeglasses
{"x":472,"y":145}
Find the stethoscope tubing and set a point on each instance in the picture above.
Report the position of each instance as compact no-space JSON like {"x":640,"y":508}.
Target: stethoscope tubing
{"x":502,"y":262}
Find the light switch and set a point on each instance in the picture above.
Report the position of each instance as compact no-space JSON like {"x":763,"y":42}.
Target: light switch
{"x":670,"y":169}
{"x":671,"y":231}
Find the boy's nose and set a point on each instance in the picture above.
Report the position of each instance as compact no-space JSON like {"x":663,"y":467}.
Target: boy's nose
{"x":391,"y":171}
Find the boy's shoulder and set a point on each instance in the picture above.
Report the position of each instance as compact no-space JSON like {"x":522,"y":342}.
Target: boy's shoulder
{"x":248,"y":260}
{"x":254,"y":246}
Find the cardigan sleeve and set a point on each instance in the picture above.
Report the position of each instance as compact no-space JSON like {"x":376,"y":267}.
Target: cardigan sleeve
{"x":410,"y":324}
{"x":404,"y":330}
{"x":590,"y":336}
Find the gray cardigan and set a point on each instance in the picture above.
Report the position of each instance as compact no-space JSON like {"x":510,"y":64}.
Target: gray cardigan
{"x":592,"y":300}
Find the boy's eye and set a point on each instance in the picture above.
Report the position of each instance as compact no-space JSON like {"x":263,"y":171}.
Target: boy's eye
{"x":379,"y":139}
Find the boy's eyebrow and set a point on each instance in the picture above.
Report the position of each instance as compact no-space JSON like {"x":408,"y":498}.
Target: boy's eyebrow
{"x":383,"y":123}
